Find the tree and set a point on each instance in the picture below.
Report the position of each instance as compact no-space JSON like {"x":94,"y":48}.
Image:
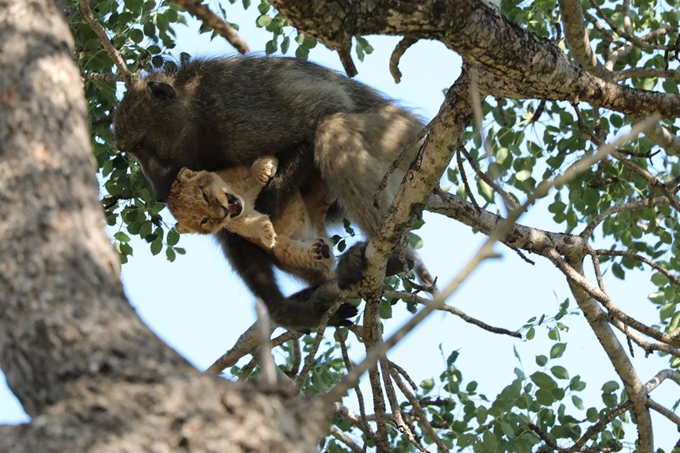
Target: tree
{"x":548,"y":109}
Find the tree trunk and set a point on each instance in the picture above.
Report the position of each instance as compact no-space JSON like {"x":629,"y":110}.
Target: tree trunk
{"x":90,"y":374}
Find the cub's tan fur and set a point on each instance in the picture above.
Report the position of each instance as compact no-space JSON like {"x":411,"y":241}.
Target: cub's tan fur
{"x":204,"y":202}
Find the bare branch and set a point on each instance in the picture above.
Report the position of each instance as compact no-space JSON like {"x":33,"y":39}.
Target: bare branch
{"x":397,"y":53}
{"x":357,"y":389}
{"x":317,"y":341}
{"x":588,"y":230}
{"x":106,"y":42}
{"x":265,"y":351}
{"x":413,"y":298}
{"x":212,"y":20}
{"x":599,"y":426}
{"x":507,"y":198}
{"x":424,"y":422}
{"x":345,"y":439}
{"x":660,"y":377}
{"x":642,"y":259}
{"x":669,"y":414}
{"x":246,"y":344}
{"x":398,"y":416}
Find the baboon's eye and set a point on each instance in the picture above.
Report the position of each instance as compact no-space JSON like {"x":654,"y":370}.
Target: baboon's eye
{"x":137,"y":146}
{"x":204,"y":221}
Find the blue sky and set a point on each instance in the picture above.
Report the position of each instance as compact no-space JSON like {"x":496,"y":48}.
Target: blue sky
{"x":200,"y":307}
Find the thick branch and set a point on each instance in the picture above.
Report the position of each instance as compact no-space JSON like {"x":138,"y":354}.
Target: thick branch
{"x":534,"y":66}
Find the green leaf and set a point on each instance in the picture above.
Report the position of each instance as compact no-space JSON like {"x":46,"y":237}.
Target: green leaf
{"x":489,"y":441}
{"x":136,"y":35}
{"x":263,"y":21}
{"x":541,"y":360}
{"x":578,"y":402}
{"x":531,"y":333}
{"x":156,"y":246}
{"x":557,"y":350}
{"x":427,"y":384}
{"x":485,"y":190}
{"x":543,"y":380}
{"x":173,"y":237}
{"x":559,"y":372}
{"x":122,"y":237}
{"x":523,"y":175}
{"x":545,"y":397}
{"x":610,"y":386}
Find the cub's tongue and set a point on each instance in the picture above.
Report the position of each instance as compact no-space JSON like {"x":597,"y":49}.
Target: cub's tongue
{"x":235,"y":207}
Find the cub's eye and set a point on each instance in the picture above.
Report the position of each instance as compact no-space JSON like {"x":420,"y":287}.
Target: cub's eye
{"x":137,"y":146}
{"x":204,"y":221}
{"x":205,"y":197}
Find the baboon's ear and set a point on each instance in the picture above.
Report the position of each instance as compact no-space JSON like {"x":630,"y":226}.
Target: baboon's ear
{"x":185,"y":174}
{"x":180,"y":229}
{"x":162,"y":91}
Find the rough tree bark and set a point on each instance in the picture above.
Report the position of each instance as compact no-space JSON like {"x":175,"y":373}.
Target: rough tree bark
{"x":90,"y":374}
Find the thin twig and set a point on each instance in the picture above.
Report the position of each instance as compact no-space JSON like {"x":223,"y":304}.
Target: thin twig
{"x":317,"y":341}
{"x":413,"y":298}
{"x":598,"y":426}
{"x":365,"y":427}
{"x":509,"y":199}
{"x":420,"y":414}
{"x":669,"y":414}
{"x":642,"y":259}
{"x":397,"y":413}
{"x":588,"y":230}
{"x":463,"y":177}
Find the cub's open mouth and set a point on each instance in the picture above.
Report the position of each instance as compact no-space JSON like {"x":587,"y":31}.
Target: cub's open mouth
{"x":235,"y":206}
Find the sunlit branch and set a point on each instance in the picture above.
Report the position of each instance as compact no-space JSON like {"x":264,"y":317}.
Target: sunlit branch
{"x":345,"y":439}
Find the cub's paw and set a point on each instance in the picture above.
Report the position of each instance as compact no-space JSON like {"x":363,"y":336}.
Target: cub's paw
{"x":266,"y":169}
{"x":322,"y":254}
{"x":267,"y":233}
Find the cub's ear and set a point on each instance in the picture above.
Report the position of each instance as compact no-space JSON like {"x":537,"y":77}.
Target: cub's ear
{"x":180,"y":229}
{"x":185,"y":174}
{"x":162,"y":91}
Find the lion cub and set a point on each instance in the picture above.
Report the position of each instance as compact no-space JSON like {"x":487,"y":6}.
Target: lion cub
{"x":203,"y":202}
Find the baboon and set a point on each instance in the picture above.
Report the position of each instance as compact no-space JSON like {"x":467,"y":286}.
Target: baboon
{"x":212,"y":114}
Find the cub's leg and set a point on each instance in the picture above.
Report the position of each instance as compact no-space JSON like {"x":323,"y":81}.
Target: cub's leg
{"x":317,"y":202}
{"x":257,"y":226}
{"x":316,"y":254}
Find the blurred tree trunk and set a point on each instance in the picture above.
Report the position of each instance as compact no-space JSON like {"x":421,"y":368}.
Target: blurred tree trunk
{"x":90,"y":374}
